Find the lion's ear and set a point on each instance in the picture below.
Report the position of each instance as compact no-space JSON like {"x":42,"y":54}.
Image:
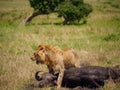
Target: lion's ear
{"x":41,"y":47}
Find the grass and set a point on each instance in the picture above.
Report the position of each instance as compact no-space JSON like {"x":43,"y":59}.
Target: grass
{"x":97,"y":42}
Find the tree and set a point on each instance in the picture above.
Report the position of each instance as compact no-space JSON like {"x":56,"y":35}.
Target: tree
{"x":42,"y":7}
{"x":70,"y":10}
{"x":73,"y":10}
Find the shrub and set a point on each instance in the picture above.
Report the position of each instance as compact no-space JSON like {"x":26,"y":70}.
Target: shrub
{"x":111,"y":37}
{"x":72,"y":10}
{"x":44,"y":6}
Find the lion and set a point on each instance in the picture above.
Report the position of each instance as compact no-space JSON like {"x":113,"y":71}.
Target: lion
{"x":56,"y":59}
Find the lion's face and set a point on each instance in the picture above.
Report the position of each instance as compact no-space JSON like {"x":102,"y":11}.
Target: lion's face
{"x":39,"y":57}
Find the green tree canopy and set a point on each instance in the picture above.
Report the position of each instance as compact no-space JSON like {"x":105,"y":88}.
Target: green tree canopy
{"x":44,"y":6}
{"x":73,"y":10}
{"x":70,"y":10}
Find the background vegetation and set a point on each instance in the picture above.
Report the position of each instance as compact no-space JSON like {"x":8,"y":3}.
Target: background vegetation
{"x":70,"y":10}
{"x":97,"y":42}
{"x":73,"y":11}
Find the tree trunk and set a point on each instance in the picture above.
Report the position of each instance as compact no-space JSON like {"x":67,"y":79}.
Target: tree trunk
{"x":29,"y":18}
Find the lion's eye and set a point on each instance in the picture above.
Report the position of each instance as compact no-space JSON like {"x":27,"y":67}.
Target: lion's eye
{"x":44,"y":51}
{"x":35,"y":54}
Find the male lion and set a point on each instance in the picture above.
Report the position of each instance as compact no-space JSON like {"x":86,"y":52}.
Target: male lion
{"x":57,"y":60}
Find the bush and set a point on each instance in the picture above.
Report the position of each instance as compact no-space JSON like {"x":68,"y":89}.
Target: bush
{"x":111,"y":37}
{"x":73,"y":10}
{"x":44,"y":6}
{"x":70,"y":10}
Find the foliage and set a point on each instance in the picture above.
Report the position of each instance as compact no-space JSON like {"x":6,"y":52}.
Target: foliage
{"x":44,"y":6}
{"x":111,"y":37}
{"x":72,"y":10}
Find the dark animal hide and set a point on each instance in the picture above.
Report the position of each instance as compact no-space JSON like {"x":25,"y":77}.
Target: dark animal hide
{"x":90,"y":76}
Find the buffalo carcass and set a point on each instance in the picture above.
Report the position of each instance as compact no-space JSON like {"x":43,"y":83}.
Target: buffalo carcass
{"x":89,"y":76}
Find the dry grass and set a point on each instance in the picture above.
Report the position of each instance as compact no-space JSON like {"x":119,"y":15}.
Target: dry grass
{"x":97,"y":42}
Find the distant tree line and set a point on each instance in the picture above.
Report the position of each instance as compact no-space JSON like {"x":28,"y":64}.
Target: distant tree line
{"x":70,"y":10}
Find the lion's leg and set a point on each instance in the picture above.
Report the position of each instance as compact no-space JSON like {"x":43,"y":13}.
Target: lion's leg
{"x":60,"y":78}
{"x":61,"y":73}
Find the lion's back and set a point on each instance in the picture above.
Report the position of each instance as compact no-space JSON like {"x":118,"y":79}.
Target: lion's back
{"x":67,"y":57}
{"x":70,"y":58}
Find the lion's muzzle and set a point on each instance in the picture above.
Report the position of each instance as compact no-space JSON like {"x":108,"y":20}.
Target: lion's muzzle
{"x":32,"y":58}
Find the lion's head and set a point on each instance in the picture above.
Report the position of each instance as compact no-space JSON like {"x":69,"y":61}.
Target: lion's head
{"x":39,"y":56}
{"x":44,"y":52}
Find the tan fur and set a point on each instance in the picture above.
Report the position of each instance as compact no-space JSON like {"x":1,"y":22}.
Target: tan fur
{"x":57,"y":60}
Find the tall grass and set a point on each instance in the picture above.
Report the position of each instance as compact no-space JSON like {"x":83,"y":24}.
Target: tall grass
{"x":97,"y":42}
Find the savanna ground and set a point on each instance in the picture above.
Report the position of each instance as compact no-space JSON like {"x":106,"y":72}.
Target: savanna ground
{"x":97,"y":42}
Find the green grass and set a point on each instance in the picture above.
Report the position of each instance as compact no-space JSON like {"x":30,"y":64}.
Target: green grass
{"x":97,"y":42}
